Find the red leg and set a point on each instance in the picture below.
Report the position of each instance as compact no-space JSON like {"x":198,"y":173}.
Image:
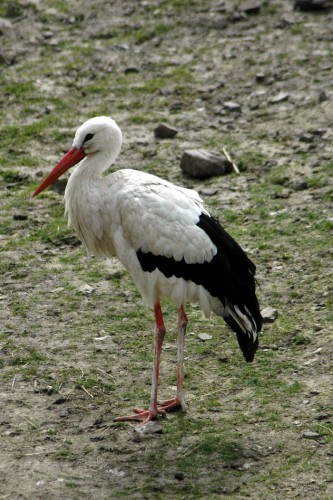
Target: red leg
{"x":147,"y":415}
{"x":179,"y":400}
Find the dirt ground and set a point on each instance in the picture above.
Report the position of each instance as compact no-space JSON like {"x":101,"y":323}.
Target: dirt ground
{"x":75,"y":340}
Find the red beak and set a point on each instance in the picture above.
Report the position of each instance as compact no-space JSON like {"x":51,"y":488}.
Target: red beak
{"x":70,"y":159}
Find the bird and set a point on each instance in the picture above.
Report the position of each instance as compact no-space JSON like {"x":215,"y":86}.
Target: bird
{"x":167,"y":240}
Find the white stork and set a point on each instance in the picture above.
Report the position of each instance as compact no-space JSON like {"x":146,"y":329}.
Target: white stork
{"x":166,"y":240}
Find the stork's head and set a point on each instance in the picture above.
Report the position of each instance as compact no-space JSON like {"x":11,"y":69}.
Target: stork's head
{"x":97,"y":136}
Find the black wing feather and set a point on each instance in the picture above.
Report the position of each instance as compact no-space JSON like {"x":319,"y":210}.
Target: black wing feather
{"x":229,"y":276}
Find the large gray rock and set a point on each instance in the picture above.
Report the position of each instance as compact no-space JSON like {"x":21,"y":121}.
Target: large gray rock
{"x":202,"y":164}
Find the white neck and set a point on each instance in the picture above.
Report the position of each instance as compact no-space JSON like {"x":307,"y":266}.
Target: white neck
{"x":91,"y":168}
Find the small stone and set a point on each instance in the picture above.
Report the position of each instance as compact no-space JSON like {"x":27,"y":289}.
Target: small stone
{"x":208,"y":191}
{"x":147,"y":430}
{"x":86,"y":289}
{"x":20,"y":217}
{"x":47,"y":34}
{"x":312,"y":5}
{"x":282,"y":96}
{"x":49,"y":108}
{"x":284,"y":194}
{"x":122,"y":46}
{"x":250,"y":8}
{"x":322,"y":95}
{"x":300,"y":185}
{"x":319,"y":131}
{"x":306,"y":137}
{"x":204,"y":336}
{"x":310,"y":435}
{"x":59,"y":401}
{"x":116,"y":472}
{"x":48,"y":390}
{"x":320,"y":418}
{"x":269,"y":315}
{"x":246,"y":466}
{"x":164,"y":131}
{"x":131,"y":69}
{"x":232,"y":106}
{"x":260,"y":77}
{"x":314,"y":392}
{"x":202,"y":164}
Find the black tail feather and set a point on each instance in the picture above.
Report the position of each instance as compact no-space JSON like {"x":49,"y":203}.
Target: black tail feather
{"x":247,"y":344}
{"x":236,"y":288}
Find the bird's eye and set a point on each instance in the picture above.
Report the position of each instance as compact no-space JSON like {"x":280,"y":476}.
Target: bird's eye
{"x":88,"y":137}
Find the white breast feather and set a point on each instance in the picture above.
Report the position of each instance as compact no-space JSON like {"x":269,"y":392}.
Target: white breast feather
{"x":130,"y":210}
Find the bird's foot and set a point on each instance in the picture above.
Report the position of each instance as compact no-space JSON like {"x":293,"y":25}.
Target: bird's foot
{"x":172,"y":404}
{"x":143,"y":416}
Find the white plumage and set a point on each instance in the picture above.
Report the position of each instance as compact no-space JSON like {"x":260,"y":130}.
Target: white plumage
{"x":164,"y":237}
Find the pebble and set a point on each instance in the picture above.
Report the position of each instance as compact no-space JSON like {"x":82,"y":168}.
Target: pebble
{"x":207,"y":191}
{"x":20,"y":217}
{"x":312,"y":5}
{"x":300,"y":185}
{"x":49,"y":108}
{"x":48,"y":390}
{"x":59,"y":401}
{"x":260,"y":77}
{"x":122,"y":46}
{"x":116,"y":472}
{"x":269,"y":315}
{"x":131,"y":69}
{"x":306,"y":137}
{"x":147,"y":431}
{"x":322,"y":95}
{"x":47,"y":34}
{"x":283,"y":194}
{"x":86,"y":289}
{"x":204,"y":336}
{"x":310,"y":435}
{"x":232,"y":106}
{"x":202,"y":164}
{"x":282,"y":96}
{"x":251,"y":8}
{"x":164,"y":131}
